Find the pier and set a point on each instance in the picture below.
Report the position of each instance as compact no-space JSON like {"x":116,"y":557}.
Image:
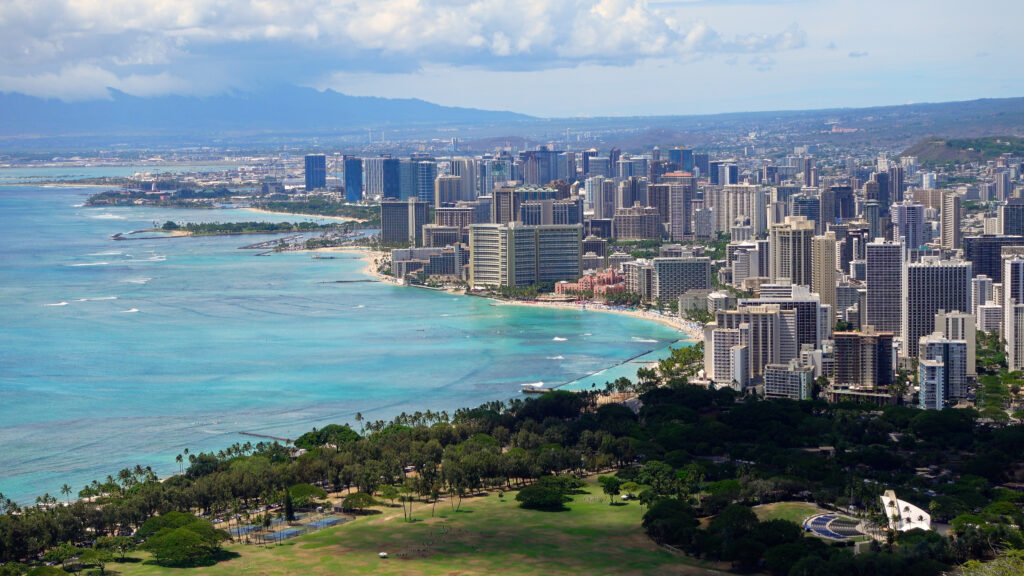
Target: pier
{"x":267,"y":436}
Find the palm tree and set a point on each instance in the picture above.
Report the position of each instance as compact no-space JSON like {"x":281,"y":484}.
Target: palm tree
{"x":66,"y":491}
{"x":180,"y":460}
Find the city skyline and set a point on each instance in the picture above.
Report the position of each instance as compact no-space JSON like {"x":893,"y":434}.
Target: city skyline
{"x":691,"y":57}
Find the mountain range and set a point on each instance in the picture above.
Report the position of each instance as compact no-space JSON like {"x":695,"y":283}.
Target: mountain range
{"x":280,"y":109}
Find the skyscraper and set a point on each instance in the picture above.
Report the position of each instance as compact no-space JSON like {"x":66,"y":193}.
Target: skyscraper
{"x":1011,"y":217}
{"x":316,"y":172}
{"x":519,"y":255}
{"x":682,"y":191}
{"x":401,"y":221}
{"x":790,"y":244}
{"x":929,"y":286}
{"x":353,"y":179}
{"x":382,"y":177}
{"x":1013,"y":307}
{"x":884,"y":276}
{"x":447,"y":191}
{"x":823,"y":268}
{"x":908,"y":224}
{"x":951,"y":216}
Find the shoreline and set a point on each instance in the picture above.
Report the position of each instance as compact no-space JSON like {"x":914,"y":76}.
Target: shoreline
{"x":692,"y":331}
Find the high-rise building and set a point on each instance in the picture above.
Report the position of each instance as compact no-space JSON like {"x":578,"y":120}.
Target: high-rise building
{"x":520,"y":255}
{"x":401,"y":221}
{"x":466,"y":170}
{"x":1013,"y":306}
{"x":1003,"y":185}
{"x":959,"y":326}
{"x":1011,"y":217}
{"x":897,"y":177}
{"x":929,"y":286}
{"x":790,"y":244}
{"x":863,"y":358}
{"x":930,"y":379}
{"x":353,"y":178}
{"x":908,"y":224}
{"x":823,"y":268}
{"x":681,"y":192}
{"x":884,"y":262}
{"x":674,"y":276}
{"x":981,"y":290}
{"x":793,"y":380}
{"x":768,"y":332}
{"x":742,"y":203}
{"x":952,"y":381}
{"x":548,"y":212}
{"x":813,"y":320}
{"x":984,"y":253}
{"x":316,"y":172}
{"x":382,"y":177}
{"x":447,"y":191}
{"x":728,"y":174}
{"x":426,"y":173}
{"x":539,"y":167}
{"x":809,"y":206}
{"x":951,"y":216}
{"x":989,"y":317}
{"x":845,"y":206}
{"x":636,"y":223}
{"x":701,"y":163}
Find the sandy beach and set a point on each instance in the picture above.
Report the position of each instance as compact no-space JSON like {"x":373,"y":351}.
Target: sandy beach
{"x":369,"y":257}
{"x":692,"y":330}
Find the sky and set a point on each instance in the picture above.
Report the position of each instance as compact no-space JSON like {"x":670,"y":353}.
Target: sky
{"x":550,"y":58}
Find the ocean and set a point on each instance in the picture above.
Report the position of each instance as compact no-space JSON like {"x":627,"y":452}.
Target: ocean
{"x":117,"y":353}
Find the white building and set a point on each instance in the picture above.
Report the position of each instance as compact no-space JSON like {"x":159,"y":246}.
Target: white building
{"x":903,"y":515}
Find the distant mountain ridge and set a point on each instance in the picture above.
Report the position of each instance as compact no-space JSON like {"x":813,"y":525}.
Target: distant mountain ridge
{"x":285,"y":108}
{"x":961,"y":150}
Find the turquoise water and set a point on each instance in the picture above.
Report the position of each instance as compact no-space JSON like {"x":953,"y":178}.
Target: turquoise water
{"x":116,"y":353}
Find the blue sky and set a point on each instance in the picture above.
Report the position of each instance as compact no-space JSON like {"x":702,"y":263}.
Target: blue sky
{"x":541,"y":57}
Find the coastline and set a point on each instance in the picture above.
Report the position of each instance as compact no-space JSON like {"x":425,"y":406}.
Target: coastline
{"x":691,"y":329}
{"x":367,"y":256}
{"x":693,"y":332}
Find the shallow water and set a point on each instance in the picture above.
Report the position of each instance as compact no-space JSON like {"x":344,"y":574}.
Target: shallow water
{"x":116,"y":353}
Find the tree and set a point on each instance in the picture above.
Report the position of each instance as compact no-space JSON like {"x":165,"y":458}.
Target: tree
{"x":62,"y":553}
{"x":305,"y":495}
{"x":611,"y":486}
{"x":179,"y":539}
{"x":120,"y":545}
{"x":542,"y":496}
{"x":66,"y":491}
{"x":389,"y":492}
{"x":289,"y":507}
{"x":98,"y":557}
{"x":358,"y":501}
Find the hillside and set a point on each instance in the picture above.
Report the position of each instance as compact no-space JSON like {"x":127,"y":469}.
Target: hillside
{"x":964,"y":150}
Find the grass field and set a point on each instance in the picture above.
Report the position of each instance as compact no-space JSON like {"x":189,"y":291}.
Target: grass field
{"x":489,"y":535}
{"x":795,"y":512}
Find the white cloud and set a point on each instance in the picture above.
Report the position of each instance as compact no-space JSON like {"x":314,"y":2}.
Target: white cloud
{"x":86,"y":82}
{"x":108,"y":41}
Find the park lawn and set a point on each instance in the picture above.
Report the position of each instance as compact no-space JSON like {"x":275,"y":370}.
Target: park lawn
{"x":489,"y":535}
{"x":795,"y":512}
